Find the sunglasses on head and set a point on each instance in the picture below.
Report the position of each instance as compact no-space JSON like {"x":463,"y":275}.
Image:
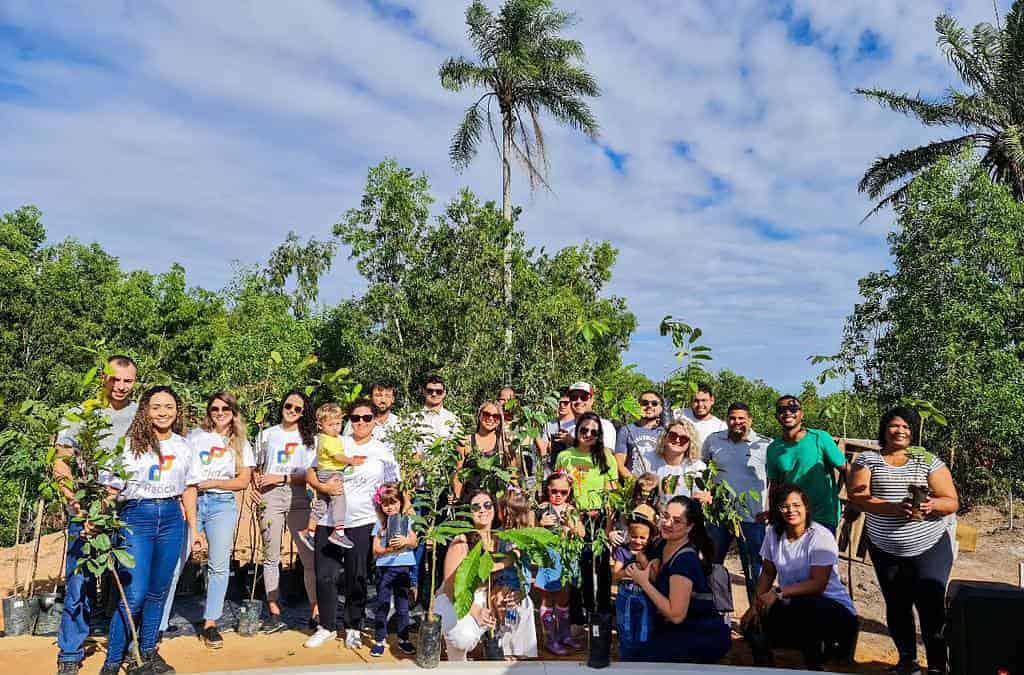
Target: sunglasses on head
{"x":579,"y":396}
{"x":588,"y":431}
{"x":434,"y":391}
{"x":477,"y":508}
{"x":790,"y":408}
{"x":496,"y":417}
{"x":360,"y":418}
{"x":673,"y":437}
{"x":219,"y":409}
{"x":649,"y":402}
{"x":296,"y":408}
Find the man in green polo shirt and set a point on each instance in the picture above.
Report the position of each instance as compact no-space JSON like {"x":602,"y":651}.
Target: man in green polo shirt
{"x":807,"y":458}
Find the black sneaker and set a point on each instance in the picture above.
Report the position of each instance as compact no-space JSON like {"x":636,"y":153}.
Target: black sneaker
{"x":157,"y":665}
{"x":144,"y":669}
{"x":67,"y":667}
{"x":211,"y":637}
{"x":273,"y":624}
{"x":406,"y":647}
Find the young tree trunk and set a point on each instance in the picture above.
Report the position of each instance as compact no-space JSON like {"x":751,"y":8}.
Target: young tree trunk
{"x":136,"y":654}
{"x":433,"y":577}
{"x":506,"y":213}
{"x":17,"y":533}
{"x":35,"y":550}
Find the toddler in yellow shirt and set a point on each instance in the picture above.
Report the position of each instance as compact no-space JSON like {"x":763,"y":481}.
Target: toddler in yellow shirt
{"x":331,"y":462}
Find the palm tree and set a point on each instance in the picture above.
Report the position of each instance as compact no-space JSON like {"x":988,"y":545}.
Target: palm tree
{"x":524,"y":67}
{"x":990,"y":61}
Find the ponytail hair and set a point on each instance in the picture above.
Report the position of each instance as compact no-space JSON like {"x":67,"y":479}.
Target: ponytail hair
{"x":698,"y":537}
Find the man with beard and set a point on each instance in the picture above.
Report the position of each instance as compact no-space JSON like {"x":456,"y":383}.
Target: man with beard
{"x":382,"y":394}
{"x":699,"y":414}
{"x":807,"y":458}
{"x":635,"y":446}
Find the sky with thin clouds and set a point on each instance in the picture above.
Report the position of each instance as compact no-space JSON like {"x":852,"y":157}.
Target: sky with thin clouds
{"x":726,"y":170}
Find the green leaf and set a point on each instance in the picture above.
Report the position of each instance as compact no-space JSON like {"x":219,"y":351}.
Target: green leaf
{"x":125,"y":558}
{"x":275,"y":357}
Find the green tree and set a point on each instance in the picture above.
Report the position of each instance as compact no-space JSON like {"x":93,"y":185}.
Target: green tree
{"x":946,"y":324}
{"x":524,"y":66}
{"x":990,"y":62}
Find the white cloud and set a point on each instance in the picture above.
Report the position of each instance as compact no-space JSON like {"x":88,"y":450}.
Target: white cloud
{"x":200,"y":132}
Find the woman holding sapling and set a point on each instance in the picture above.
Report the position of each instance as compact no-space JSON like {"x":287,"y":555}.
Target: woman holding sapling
{"x":156,"y":480}
{"x":906,"y":494}
{"x":288,"y":449}
{"x":223,"y":461}
{"x":486,"y":442}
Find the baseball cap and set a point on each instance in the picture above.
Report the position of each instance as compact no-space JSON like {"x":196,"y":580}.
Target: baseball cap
{"x":581,"y":386}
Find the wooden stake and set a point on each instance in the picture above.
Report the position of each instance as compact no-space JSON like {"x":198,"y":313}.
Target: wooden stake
{"x":35,"y":551}
{"x":17,"y":533}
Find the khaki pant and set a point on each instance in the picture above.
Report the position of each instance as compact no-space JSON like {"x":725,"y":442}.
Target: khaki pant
{"x":285,"y":505}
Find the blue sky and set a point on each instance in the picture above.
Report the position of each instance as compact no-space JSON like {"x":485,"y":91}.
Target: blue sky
{"x":726,"y":171}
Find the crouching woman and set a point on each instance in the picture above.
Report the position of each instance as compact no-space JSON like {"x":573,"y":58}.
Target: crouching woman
{"x":687,"y":629}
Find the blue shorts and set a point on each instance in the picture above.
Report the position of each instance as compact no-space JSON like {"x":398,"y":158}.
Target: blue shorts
{"x":550,"y":578}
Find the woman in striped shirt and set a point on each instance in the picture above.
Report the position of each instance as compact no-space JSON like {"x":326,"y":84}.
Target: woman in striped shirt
{"x":910,"y":546}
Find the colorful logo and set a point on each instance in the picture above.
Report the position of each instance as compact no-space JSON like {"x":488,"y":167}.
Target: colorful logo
{"x":156,"y":471}
{"x":284,"y":455}
{"x":207,"y":456}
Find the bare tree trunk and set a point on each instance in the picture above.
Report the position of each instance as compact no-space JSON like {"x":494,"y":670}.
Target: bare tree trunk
{"x":506,"y":213}
{"x":17,"y":532}
{"x":136,"y":654}
{"x":35,"y":551}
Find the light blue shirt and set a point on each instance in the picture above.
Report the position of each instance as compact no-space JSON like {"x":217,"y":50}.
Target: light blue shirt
{"x":399,"y":559}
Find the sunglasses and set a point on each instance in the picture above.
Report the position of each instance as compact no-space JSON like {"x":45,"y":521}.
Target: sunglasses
{"x":564,"y":402}
{"x":360,"y":418}
{"x":496,"y":417}
{"x":219,"y":409}
{"x":296,"y":408}
{"x":432,"y":391}
{"x":579,"y":396}
{"x":477,"y":508}
{"x":588,"y":431}
{"x":791,"y":408}
{"x":558,"y":491}
{"x":673,"y":437}
{"x":649,"y":402}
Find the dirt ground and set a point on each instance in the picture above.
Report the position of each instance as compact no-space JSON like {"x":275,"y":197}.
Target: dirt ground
{"x":996,"y":559}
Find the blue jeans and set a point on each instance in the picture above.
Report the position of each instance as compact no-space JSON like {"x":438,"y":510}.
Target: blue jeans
{"x":749,"y":549}
{"x":394,"y":581}
{"x":217,"y":516}
{"x":78,"y":601}
{"x":155,"y":529}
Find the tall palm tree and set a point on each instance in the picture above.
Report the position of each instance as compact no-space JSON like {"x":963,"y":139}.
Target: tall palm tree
{"x":524,"y":67}
{"x":990,"y":61}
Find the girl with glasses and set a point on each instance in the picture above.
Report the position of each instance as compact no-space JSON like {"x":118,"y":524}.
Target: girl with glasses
{"x":284,"y":452}
{"x":558,"y":515}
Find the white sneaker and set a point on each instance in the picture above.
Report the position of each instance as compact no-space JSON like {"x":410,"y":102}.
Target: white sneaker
{"x":353,"y":639}
{"x":317,"y":639}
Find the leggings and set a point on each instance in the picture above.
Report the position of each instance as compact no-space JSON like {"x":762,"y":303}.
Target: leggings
{"x":810,"y":623}
{"x":285,"y":506}
{"x":345,"y":570}
{"x":918,"y":581}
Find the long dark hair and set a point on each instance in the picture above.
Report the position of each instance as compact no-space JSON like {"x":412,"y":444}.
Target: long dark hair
{"x":775,"y":500}
{"x":597,"y":452}
{"x":698,"y":537}
{"x":141,"y":435}
{"x":909,"y":415}
{"x":307,"y":422}
{"x":472,"y":538}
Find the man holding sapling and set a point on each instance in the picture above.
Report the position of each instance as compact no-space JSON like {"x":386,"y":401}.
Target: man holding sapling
{"x":80,"y":594}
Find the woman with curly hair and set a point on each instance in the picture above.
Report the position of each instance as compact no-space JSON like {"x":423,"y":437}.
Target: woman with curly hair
{"x":679,"y":451}
{"x":155,"y":486}
{"x":285,"y":451}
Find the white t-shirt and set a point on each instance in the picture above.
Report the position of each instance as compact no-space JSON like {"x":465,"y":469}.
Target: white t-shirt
{"x":215,"y":458}
{"x":153,"y":477}
{"x":704,"y":427}
{"x":283,"y":452}
{"x":363,"y":480}
{"x":793,"y":560}
{"x":672,"y":478}
{"x":119,"y":420}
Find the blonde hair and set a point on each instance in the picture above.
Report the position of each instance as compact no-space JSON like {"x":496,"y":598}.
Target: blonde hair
{"x":692,"y":451}
{"x":237,"y":432}
{"x":328,"y":411}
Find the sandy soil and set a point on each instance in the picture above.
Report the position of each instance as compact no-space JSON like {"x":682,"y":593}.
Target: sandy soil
{"x":996,"y":559}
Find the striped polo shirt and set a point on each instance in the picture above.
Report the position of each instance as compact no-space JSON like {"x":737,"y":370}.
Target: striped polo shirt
{"x":897,"y":535}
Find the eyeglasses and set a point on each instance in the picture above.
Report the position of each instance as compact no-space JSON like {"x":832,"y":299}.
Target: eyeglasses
{"x":669,"y":520}
{"x":673,"y":437}
{"x":579,"y":396}
{"x":434,"y":391}
{"x":219,"y":409}
{"x":360,"y":418}
{"x":563,"y":403}
{"x":496,"y":417}
{"x":557,"y":491}
{"x":589,"y":431}
{"x":791,"y":408}
{"x":649,"y":402}
{"x":785,"y":508}
{"x":296,"y":408}
{"x":477,"y":508}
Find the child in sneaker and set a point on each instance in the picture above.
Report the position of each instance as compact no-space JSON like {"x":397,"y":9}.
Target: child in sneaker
{"x":395,"y":564}
{"x":331,"y":462}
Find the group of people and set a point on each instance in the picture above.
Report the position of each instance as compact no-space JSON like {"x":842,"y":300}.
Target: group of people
{"x":330,"y":477}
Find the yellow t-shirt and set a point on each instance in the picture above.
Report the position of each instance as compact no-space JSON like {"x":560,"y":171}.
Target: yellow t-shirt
{"x":326,"y":448}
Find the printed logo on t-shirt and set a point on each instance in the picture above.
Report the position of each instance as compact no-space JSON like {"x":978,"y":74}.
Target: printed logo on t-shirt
{"x":156,"y":471}
{"x":284,"y":455}
{"x":207,"y":456}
